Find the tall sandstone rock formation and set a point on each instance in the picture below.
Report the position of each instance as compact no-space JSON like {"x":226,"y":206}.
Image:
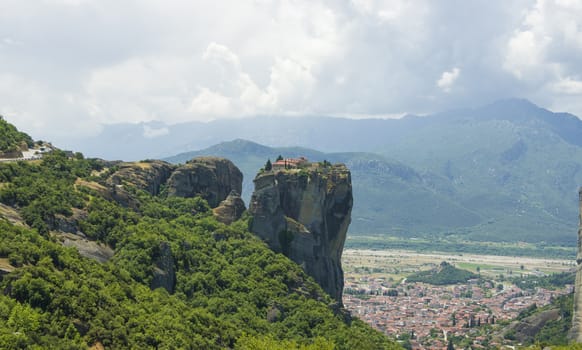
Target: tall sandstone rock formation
{"x":305,"y":214}
{"x":576,"y":331}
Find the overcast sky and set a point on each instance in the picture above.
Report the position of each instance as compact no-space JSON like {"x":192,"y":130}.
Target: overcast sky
{"x":68,"y":66}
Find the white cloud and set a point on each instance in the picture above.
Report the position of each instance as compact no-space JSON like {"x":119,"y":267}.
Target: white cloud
{"x":568,"y":86}
{"x":525,"y":54}
{"x":105,"y":61}
{"x":448,"y":79}
{"x":548,"y":44}
{"x":209,"y":104}
{"x":152,"y":133}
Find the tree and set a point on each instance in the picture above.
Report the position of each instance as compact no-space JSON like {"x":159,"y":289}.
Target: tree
{"x":280,"y":157}
{"x":268,"y":165}
{"x":450,"y":346}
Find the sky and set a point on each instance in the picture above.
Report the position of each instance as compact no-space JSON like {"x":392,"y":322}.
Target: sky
{"x":70,"y":66}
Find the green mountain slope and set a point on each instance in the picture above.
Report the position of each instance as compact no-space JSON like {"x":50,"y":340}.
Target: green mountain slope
{"x":12,"y":140}
{"x":490,"y":194}
{"x":513,"y":169}
{"x":231,"y":291}
{"x":389,"y":197}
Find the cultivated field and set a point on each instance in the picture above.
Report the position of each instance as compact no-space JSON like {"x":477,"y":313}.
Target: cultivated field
{"x":398,"y":264}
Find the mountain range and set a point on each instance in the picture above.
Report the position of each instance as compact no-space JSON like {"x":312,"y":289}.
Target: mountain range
{"x":506,"y":171}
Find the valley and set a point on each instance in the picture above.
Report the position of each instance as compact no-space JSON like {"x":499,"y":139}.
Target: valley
{"x":424,"y":316}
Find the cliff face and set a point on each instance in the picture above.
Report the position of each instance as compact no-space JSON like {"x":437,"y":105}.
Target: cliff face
{"x":210,"y":177}
{"x":576,"y":331}
{"x":305,"y":215}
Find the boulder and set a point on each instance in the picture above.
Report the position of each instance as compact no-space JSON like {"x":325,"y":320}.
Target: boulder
{"x":230,"y":209}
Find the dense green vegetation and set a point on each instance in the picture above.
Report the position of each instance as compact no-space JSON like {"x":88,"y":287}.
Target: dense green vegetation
{"x":444,"y":274}
{"x":12,"y":139}
{"x":552,"y":281}
{"x":231,"y":291}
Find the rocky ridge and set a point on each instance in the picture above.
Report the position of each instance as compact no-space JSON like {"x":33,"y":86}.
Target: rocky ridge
{"x":305,"y":213}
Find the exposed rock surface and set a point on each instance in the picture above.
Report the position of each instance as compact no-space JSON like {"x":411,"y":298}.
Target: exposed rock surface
{"x":210,"y":177}
{"x":164,"y":271}
{"x":11,"y":214}
{"x":525,"y":330}
{"x":148,"y":176}
{"x":230,"y":209}
{"x":305,"y":214}
{"x":87,"y":248}
{"x":576,"y":331}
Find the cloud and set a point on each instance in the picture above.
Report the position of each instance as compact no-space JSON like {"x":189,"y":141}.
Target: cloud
{"x":91,"y":62}
{"x":448,"y":79}
{"x":152,"y":133}
{"x":544,"y":51}
{"x":568,"y":86}
{"x":210,"y":104}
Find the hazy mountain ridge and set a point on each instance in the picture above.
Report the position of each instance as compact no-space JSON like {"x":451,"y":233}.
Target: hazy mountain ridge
{"x":508,"y":169}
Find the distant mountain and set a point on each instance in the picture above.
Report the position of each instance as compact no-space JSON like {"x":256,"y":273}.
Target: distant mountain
{"x":506,"y":171}
{"x":389,"y":197}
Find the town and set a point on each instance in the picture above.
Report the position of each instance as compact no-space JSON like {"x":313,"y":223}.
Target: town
{"x":428,"y":316}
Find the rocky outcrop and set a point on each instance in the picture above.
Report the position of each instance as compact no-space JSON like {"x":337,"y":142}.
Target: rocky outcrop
{"x":148,"y":175}
{"x":525,"y":330}
{"x":209,"y":177}
{"x":576,"y":331}
{"x":164,"y":271}
{"x":305,"y":214}
{"x":90,"y":249}
{"x":230,"y":209}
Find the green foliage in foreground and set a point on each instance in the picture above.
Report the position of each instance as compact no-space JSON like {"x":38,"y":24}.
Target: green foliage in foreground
{"x":11,"y":138}
{"x":231,"y":291}
{"x":444,"y":274}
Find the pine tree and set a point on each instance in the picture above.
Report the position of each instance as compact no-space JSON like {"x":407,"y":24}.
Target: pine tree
{"x":268,"y":165}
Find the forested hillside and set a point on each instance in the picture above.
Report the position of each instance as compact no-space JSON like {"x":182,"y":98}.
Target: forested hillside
{"x":11,"y":139}
{"x":230,"y":290}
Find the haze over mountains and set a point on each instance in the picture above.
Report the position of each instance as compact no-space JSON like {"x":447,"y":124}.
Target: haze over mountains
{"x":505,"y":171}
